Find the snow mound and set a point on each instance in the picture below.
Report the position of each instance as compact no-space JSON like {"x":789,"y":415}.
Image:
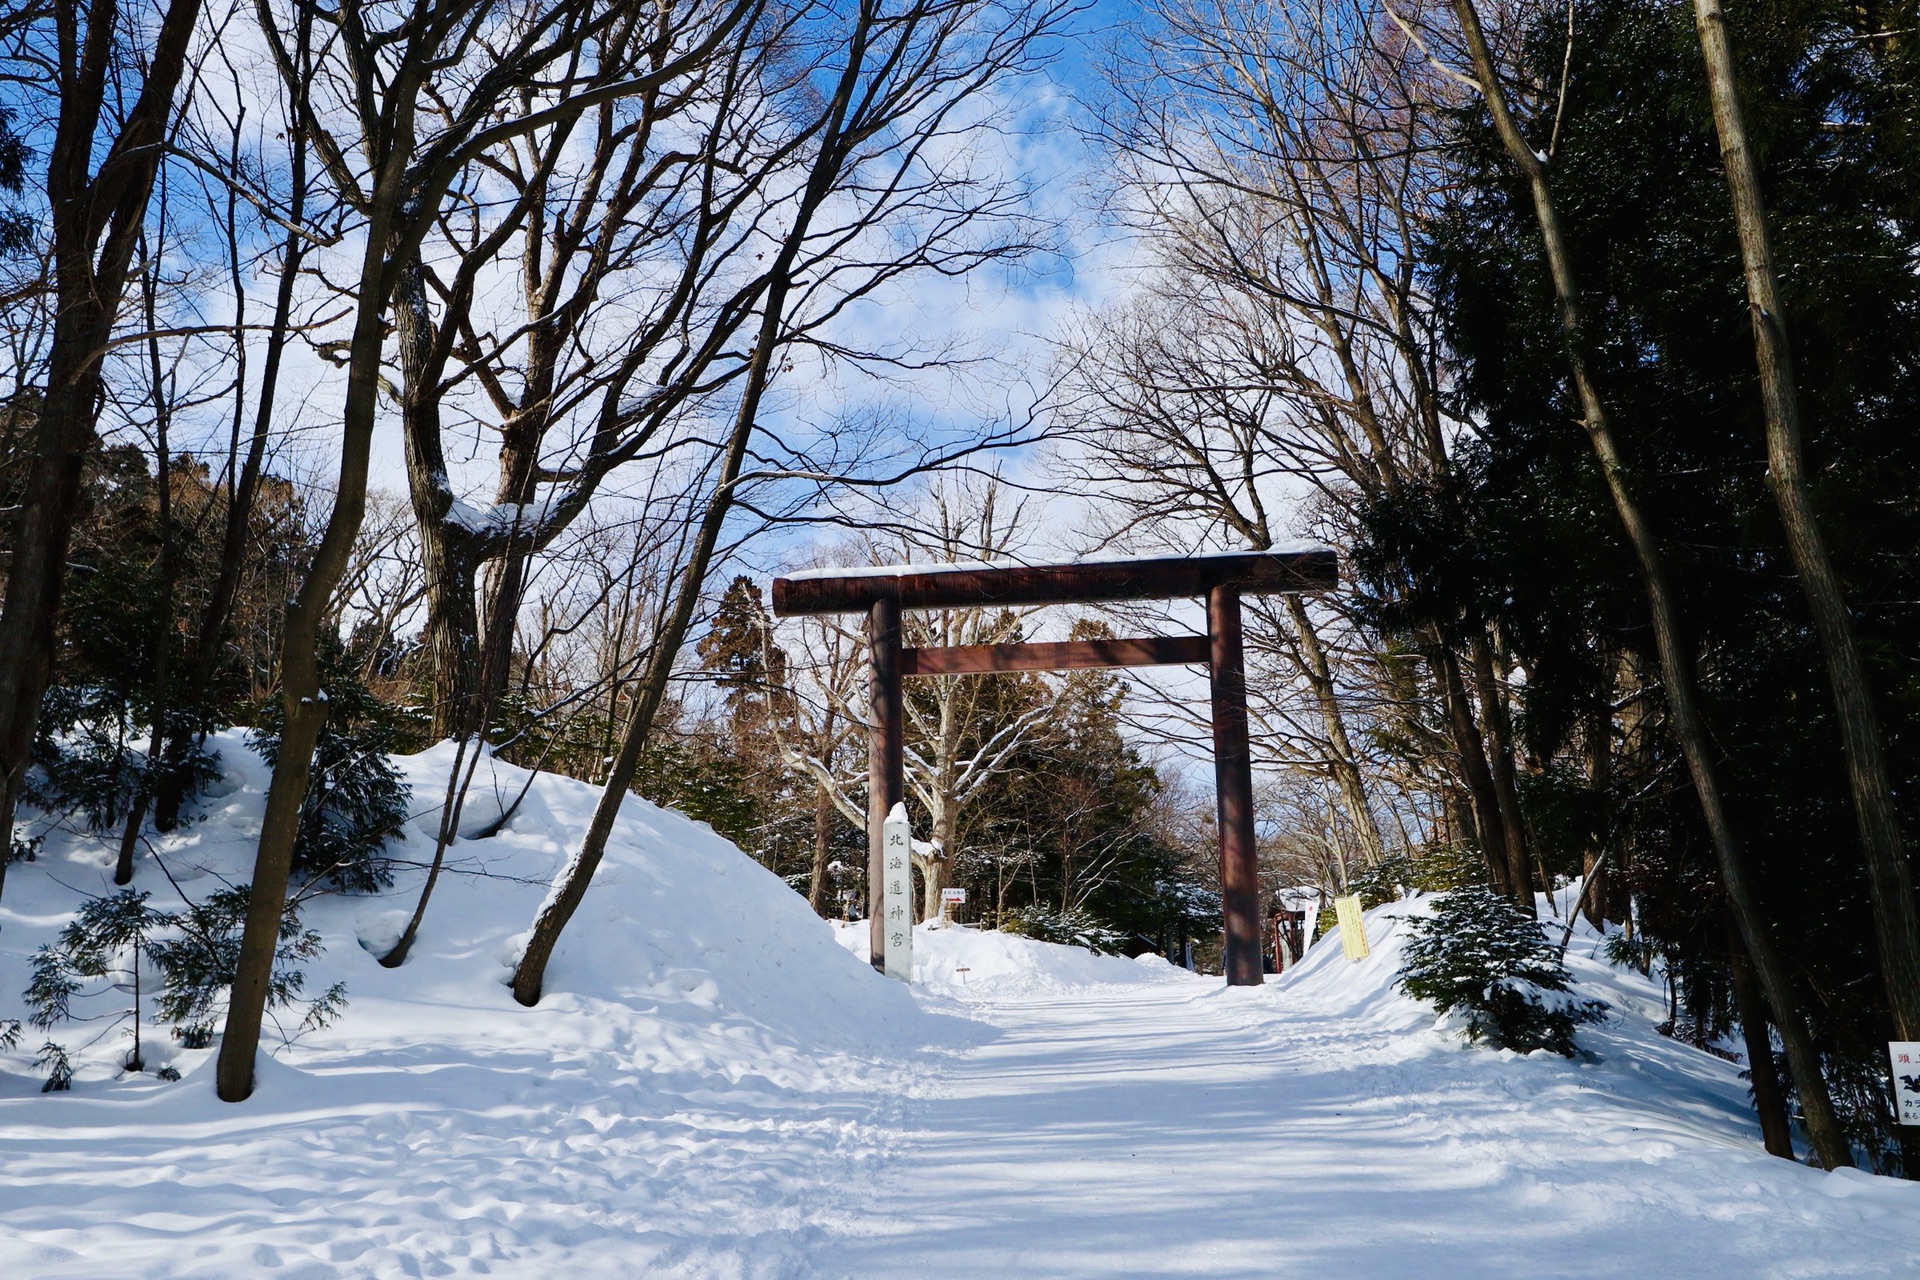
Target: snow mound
{"x":439,"y":1127}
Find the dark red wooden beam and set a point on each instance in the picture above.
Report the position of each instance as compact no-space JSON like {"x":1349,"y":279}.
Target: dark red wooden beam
{"x":1085,"y":582}
{"x":1069,"y":655}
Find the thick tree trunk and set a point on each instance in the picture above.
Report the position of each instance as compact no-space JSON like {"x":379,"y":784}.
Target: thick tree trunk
{"x":1889,"y":877}
{"x":933,"y":867}
{"x":1769,"y":1099}
{"x":1470,"y":756}
{"x":303,"y":702}
{"x":42,"y":536}
{"x":1776,"y":980}
{"x":447,"y":549}
{"x":102,"y":215}
{"x":506,"y":573}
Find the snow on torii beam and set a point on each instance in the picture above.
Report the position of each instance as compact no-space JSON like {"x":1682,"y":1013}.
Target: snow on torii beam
{"x":883,"y":592}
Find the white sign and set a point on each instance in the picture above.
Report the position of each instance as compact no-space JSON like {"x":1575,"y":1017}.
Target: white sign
{"x":1905,"y":1056}
{"x":896,"y":897}
{"x":953,"y":895}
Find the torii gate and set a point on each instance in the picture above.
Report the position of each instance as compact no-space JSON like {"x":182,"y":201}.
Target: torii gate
{"x":882,"y":593}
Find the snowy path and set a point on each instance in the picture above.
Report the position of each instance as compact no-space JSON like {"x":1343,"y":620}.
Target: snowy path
{"x":1177,"y":1129}
{"x":713,"y":1088}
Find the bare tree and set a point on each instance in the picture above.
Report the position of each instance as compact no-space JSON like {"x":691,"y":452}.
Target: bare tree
{"x":359,"y":97}
{"x":243,"y":469}
{"x":887,"y":193}
{"x":634,"y":230}
{"x":824,"y":735}
{"x":1279,"y":164}
{"x":116,"y":81}
{"x":959,"y":730}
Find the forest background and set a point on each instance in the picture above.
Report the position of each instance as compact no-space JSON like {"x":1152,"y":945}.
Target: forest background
{"x":383,"y":374}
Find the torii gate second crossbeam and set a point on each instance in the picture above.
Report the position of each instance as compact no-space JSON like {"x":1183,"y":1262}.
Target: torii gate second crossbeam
{"x":882,"y":594}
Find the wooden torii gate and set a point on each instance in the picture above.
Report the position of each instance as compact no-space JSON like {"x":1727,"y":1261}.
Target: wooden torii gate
{"x":882,"y":593}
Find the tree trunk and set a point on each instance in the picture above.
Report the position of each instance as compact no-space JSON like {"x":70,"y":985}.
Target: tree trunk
{"x":817,"y":882}
{"x":529,"y":976}
{"x":158,"y":712}
{"x":933,"y":867}
{"x":1776,"y":981}
{"x":303,"y":702}
{"x":102,"y":215}
{"x":37,"y":578}
{"x":506,"y":575}
{"x":203,"y":659}
{"x":1895,"y":919}
{"x":1597,"y":892}
{"x":446,"y":547}
{"x":1344,"y":763}
{"x":1769,"y":1099}
{"x":1513,"y":825}
{"x":1470,"y":756}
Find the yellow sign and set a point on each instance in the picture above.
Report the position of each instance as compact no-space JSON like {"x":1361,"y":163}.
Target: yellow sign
{"x":1353,"y":930}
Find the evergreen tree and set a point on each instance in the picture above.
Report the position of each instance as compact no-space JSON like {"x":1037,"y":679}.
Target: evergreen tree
{"x":1520,"y":532}
{"x":1480,"y":955}
{"x":355,"y":800}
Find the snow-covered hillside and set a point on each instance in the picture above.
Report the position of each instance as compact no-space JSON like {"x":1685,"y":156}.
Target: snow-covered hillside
{"x":706,"y":1061}
{"x":718,"y":1085}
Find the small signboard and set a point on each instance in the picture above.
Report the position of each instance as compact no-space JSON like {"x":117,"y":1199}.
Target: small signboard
{"x":1353,"y":930}
{"x":953,"y":895}
{"x":896,"y":896}
{"x":1905,"y":1056}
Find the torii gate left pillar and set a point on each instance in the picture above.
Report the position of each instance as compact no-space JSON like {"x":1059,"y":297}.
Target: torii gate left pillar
{"x":1221,"y":580}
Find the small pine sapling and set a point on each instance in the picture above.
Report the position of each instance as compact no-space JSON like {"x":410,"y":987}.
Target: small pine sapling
{"x":355,"y":801}
{"x":200,"y":960}
{"x":106,"y":941}
{"x":1478,"y":954}
{"x":195,"y":951}
{"x":53,"y":1060}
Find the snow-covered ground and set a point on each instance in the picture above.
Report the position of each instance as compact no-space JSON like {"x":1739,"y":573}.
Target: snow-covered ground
{"x":718,"y":1085}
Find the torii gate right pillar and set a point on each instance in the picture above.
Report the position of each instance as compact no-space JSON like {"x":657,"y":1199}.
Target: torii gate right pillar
{"x":1233,"y":781}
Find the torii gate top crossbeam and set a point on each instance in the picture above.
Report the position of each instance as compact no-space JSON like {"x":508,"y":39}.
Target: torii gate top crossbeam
{"x":963,"y":586}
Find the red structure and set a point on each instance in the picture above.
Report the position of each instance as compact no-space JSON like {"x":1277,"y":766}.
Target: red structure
{"x":1222,"y":579}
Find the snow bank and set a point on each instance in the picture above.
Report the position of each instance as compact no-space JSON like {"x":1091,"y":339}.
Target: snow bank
{"x":965,"y":962}
{"x":439,"y":1127}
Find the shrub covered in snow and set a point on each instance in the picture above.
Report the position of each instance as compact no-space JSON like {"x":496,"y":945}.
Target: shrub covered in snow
{"x":1479,"y":954}
{"x":1073,"y":928}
